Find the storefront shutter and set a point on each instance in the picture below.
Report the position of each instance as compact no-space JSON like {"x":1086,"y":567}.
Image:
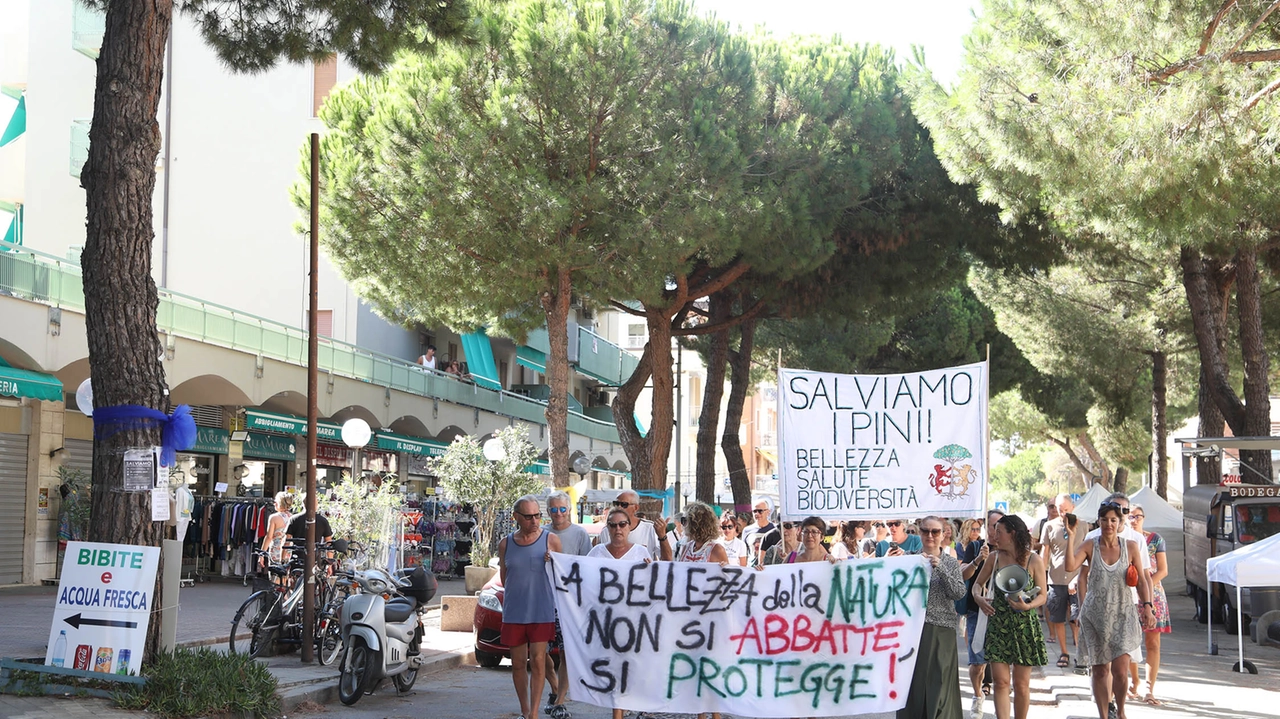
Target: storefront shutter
{"x":13,"y":505}
{"x":80,"y":456}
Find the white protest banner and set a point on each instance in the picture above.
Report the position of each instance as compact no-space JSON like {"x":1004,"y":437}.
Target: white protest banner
{"x":875,"y":446}
{"x":810,"y":639}
{"x":105,"y":598}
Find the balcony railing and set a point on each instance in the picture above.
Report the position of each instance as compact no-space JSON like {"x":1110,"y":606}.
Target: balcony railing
{"x":35,"y":276}
{"x":87,"y":28}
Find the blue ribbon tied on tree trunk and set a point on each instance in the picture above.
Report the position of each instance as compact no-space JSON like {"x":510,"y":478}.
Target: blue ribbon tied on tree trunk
{"x":177,"y":431}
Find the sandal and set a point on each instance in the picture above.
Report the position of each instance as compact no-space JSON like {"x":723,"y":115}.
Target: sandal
{"x":1064,"y":660}
{"x":1150,"y":699}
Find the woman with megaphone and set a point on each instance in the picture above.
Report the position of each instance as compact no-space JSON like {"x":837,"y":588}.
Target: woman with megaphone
{"x":1015,"y":581}
{"x":1110,"y":630}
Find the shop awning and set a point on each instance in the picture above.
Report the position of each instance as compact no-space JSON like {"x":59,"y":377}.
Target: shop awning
{"x":410,"y":445}
{"x":17,"y":123}
{"x":768,"y":455}
{"x":270,"y":446}
{"x":211,"y":440}
{"x":25,"y":383}
{"x":480,"y":364}
{"x":290,"y":424}
{"x":539,"y":468}
{"x":535,"y":360}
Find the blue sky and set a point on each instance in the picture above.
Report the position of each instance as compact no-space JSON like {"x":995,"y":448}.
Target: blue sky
{"x":936,"y":25}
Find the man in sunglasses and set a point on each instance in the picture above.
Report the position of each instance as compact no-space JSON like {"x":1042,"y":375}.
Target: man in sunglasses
{"x":643,"y":531}
{"x":761,"y":534}
{"x":906,"y":543}
{"x":573,"y":540}
{"x":529,"y":608}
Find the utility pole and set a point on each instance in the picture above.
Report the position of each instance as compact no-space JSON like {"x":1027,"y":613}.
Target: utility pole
{"x":313,"y":328}
{"x":679,"y":408}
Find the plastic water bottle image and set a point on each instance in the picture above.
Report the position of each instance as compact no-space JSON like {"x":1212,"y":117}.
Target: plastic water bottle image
{"x":60,"y":649}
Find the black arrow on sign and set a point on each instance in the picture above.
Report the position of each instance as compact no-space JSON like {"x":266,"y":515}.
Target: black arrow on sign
{"x":76,"y":620}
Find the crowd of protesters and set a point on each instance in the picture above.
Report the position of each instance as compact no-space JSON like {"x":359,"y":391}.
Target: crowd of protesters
{"x":1102,"y":588}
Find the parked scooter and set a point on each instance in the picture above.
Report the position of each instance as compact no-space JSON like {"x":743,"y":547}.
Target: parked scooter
{"x":382,"y":630}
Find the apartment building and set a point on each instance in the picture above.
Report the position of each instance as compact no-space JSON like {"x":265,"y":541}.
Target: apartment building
{"x":230,"y":264}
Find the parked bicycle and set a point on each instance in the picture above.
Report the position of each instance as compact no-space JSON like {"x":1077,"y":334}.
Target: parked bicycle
{"x":274,"y":615}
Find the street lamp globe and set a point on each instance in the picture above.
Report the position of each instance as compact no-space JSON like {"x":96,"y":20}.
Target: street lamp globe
{"x":494,"y":451}
{"x":356,"y":433}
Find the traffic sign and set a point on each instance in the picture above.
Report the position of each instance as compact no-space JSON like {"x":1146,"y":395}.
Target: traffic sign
{"x":1002,"y":507}
{"x":1075,"y":496}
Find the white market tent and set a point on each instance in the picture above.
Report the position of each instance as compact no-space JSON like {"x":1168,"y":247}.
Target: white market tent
{"x":1087,"y":507}
{"x":1254,"y":565}
{"x":1160,"y":514}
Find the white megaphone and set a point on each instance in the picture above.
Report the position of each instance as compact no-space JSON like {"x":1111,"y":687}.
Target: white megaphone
{"x":1012,"y":580}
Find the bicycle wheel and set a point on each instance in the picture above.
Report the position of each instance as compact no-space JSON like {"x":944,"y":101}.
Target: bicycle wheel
{"x":329,"y":627}
{"x":254,"y":625}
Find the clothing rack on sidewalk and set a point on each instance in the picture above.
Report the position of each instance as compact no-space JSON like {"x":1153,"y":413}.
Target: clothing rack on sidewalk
{"x":226,"y":530}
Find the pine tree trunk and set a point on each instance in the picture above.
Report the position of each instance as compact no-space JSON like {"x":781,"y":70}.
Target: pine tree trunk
{"x":1208,"y":469}
{"x":739,"y":388}
{"x":556,"y":307}
{"x":712,"y":394}
{"x":634,"y":445}
{"x":1257,"y":400}
{"x":1204,"y":284}
{"x":120,"y":296}
{"x":1121,"y":480}
{"x":662,"y":381}
{"x":1160,"y":422}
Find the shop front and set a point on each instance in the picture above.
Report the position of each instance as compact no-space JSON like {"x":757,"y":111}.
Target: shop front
{"x":414,"y":453}
{"x":211,"y":447}
{"x":267,"y":457}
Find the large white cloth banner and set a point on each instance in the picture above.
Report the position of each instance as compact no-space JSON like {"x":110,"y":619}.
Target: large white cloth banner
{"x":875,"y":446}
{"x":812,"y":639}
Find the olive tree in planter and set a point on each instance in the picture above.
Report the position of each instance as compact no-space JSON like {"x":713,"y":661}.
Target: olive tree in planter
{"x":490,"y":486}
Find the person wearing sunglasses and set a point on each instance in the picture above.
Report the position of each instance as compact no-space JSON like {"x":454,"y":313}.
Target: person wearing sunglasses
{"x":761,"y":534}
{"x":643,"y":531}
{"x":573,"y":540}
{"x":529,"y":608}
{"x":1156,"y":551}
{"x":848,"y":541}
{"x":620,"y":546}
{"x":935,"y":693}
{"x":906,"y":543}
{"x":1014,"y":643}
{"x":778,"y":553}
{"x":1110,"y":630}
{"x":880,"y":529}
{"x":734,"y":547}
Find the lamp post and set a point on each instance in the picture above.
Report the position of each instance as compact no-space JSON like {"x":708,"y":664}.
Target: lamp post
{"x":356,"y":434}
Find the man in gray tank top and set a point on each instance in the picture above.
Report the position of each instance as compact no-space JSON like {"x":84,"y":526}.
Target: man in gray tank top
{"x":575,"y":540}
{"x":528,"y":605}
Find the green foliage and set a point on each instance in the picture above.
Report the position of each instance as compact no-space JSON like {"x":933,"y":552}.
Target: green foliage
{"x":1108,"y":116}
{"x":1021,"y":480}
{"x":203,"y":682}
{"x":592,"y":137}
{"x":491,"y":488}
{"x":75,"y":506}
{"x":361,"y":511}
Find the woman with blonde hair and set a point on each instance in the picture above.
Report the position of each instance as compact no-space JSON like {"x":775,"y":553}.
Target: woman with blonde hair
{"x":935,"y":693}
{"x":734,"y":547}
{"x":703,"y":531}
{"x":278,"y":528}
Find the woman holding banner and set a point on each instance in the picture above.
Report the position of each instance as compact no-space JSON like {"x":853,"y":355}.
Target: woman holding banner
{"x":778,"y":553}
{"x":812,"y":530}
{"x":1013,"y":640}
{"x":619,"y":545}
{"x":935,"y":694}
{"x":702,"y":529}
{"x":734,"y":547}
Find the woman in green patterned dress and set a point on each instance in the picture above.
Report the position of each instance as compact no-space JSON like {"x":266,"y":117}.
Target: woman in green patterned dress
{"x":1014,"y":642}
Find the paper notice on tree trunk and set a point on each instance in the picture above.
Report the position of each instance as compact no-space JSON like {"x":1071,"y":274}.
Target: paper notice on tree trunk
{"x":159,"y":505}
{"x":139,"y":470}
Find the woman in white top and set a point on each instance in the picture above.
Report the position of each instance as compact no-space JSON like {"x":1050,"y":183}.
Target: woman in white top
{"x":848,"y":541}
{"x":278,"y":528}
{"x":734,"y":547}
{"x":703,"y":545}
{"x":619,"y":546}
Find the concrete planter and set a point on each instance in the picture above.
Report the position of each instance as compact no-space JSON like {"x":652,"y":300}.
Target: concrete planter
{"x":477,"y":577}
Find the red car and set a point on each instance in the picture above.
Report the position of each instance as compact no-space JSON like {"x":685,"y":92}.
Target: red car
{"x":487,"y":621}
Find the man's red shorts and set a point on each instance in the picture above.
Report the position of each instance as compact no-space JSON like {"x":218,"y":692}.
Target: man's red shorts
{"x":513,"y":635}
